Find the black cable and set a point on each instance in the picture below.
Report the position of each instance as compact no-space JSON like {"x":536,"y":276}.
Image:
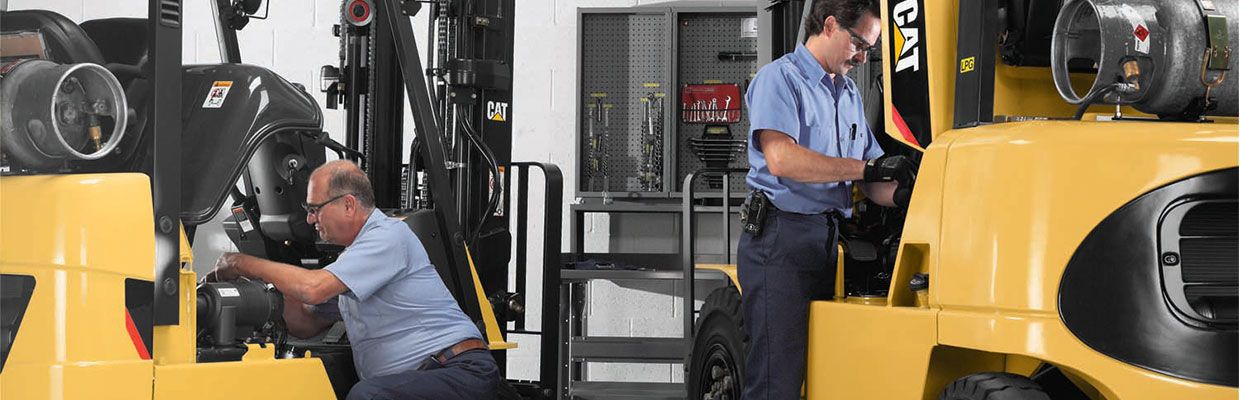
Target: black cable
{"x":493,"y":202}
{"x":1091,"y":98}
{"x":281,"y":337}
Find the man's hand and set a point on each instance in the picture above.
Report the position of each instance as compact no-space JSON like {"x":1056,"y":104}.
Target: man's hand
{"x":893,"y":168}
{"x":225,"y":268}
{"x":890,"y":168}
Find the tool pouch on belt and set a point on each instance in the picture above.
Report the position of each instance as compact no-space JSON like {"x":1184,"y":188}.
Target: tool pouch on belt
{"x":754,"y":212}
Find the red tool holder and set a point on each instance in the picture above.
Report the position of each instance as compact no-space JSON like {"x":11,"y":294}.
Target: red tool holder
{"x":710,"y":104}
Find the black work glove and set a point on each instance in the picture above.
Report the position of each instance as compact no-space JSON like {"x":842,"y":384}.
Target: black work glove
{"x":896,"y":168}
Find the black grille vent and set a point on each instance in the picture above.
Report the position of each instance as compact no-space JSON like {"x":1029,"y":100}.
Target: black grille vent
{"x":170,"y":13}
{"x":1200,"y":259}
{"x":1211,"y":219}
{"x":1210,"y":259}
{"x":1219,"y":303}
{"x":1197,"y":291}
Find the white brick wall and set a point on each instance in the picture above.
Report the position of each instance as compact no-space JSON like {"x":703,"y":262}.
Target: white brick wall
{"x":296,"y":40}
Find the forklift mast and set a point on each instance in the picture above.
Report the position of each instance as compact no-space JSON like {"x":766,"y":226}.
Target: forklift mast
{"x":468,"y":111}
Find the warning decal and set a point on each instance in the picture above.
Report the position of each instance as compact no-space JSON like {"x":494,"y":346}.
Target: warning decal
{"x":217,"y":94}
{"x":1140,"y":32}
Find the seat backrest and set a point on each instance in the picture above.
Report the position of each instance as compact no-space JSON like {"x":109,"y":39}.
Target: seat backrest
{"x":66,"y":41}
{"x":120,"y":40}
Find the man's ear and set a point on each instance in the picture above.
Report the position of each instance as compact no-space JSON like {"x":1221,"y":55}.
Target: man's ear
{"x":350,"y":202}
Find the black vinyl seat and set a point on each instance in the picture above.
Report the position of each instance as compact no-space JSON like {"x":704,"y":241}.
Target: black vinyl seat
{"x":120,"y":40}
{"x":123,"y":44}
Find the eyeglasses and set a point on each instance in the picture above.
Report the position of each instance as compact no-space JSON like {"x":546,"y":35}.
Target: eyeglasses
{"x":859,"y":42}
{"x":313,"y":209}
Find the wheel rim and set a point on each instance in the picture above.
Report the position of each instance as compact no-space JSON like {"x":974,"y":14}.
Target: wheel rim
{"x":720,"y":376}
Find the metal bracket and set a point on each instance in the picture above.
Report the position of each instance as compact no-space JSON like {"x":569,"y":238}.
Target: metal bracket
{"x":410,"y":7}
{"x":1218,"y":52}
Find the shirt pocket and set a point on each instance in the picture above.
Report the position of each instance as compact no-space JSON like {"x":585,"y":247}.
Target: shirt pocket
{"x":853,"y":130}
{"x":818,"y":127}
{"x":851,"y":138}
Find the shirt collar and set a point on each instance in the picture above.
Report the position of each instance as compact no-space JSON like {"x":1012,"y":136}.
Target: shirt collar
{"x":805,"y":61}
{"x":372,"y":220}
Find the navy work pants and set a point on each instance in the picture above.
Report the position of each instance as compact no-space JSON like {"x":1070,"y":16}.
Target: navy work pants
{"x":470,"y":375}
{"x":790,"y":263}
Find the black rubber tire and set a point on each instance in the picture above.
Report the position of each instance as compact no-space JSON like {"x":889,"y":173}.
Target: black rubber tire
{"x":993,"y":386}
{"x":719,"y":341}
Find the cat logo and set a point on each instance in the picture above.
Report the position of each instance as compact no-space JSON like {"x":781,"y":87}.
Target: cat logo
{"x":497,"y":111}
{"x":905,"y":35}
{"x":909,"y":71}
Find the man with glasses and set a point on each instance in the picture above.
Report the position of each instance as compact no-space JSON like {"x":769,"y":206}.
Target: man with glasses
{"x":410,"y":339}
{"x":808,"y":145}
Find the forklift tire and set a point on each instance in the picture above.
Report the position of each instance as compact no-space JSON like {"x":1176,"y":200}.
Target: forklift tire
{"x":717,"y":360}
{"x":993,"y":386}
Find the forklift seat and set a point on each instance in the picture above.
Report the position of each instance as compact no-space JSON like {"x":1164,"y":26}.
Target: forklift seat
{"x":120,"y":40}
{"x":1029,"y":25}
{"x":123,"y":44}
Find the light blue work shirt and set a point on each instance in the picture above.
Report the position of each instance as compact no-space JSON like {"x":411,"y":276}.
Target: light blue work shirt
{"x":795,"y":96}
{"x":397,"y":310}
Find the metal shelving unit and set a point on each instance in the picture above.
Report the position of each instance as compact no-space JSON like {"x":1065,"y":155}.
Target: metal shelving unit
{"x":577,"y":348}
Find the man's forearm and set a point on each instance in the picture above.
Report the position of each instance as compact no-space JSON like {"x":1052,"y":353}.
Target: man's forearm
{"x":300,"y":284}
{"x":300,"y":321}
{"x":789,"y":160}
{"x":803,"y":165}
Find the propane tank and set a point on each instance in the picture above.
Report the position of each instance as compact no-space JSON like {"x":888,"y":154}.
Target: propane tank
{"x":52,"y":113}
{"x":1161,"y":57}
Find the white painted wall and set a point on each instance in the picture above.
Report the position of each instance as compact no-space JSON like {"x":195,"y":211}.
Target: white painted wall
{"x":296,"y":40}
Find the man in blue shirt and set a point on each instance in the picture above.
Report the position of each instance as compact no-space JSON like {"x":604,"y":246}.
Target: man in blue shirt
{"x":410,"y":339}
{"x":808,"y":144}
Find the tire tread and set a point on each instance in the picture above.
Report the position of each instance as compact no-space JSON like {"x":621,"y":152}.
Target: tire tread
{"x":993,"y":386}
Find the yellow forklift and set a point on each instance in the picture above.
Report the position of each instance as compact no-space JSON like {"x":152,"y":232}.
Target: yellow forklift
{"x":113,"y":154}
{"x":1073,"y":230}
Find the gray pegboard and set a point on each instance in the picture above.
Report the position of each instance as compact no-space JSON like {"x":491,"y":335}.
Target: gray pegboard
{"x":699,"y":39}
{"x":624,"y":57}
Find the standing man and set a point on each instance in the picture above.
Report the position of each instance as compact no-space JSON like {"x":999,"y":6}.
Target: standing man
{"x":410,"y":339}
{"x":808,"y":144}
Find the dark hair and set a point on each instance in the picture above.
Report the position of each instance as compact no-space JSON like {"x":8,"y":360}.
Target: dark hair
{"x":351,"y":180}
{"x":847,"y":12}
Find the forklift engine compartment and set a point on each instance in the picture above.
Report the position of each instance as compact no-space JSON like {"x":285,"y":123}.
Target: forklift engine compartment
{"x":231,"y":314}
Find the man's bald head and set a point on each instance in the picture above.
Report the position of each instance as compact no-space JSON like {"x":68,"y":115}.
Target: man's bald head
{"x":343,"y":176}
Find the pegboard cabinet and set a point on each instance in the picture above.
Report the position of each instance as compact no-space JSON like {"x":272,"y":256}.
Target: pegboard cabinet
{"x":632,"y":141}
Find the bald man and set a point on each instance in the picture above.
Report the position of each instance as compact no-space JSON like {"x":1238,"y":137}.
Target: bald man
{"x":410,"y":339}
